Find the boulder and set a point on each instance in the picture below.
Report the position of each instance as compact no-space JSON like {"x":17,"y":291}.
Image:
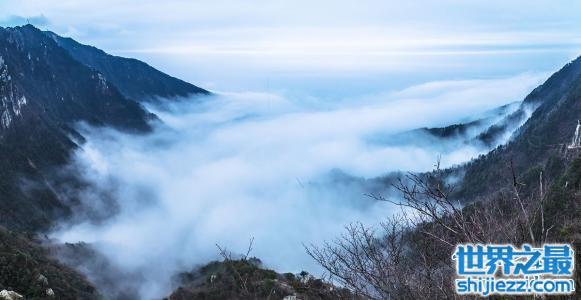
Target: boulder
{"x":10,"y":295}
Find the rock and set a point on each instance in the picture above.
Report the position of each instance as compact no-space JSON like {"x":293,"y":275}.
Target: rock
{"x":42,"y":279}
{"x":10,"y":295}
{"x":285,"y":287}
{"x":49,"y":292}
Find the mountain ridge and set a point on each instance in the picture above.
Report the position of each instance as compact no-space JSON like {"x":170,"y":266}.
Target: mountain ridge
{"x":540,"y":140}
{"x":135,"y":79}
{"x":44,"y":93}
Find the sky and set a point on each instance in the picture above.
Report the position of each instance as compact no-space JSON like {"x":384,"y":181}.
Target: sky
{"x":311,"y":47}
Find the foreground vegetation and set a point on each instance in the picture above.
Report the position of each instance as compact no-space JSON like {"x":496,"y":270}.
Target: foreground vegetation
{"x":409,"y":256}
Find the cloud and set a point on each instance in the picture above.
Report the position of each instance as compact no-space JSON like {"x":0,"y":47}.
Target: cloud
{"x":241,"y":165}
{"x":216,"y":43}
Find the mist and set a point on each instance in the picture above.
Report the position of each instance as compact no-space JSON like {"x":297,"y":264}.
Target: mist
{"x":283,"y":170}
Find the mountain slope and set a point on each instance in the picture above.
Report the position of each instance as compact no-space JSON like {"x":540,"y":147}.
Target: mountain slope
{"x":539,"y":143}
{"x":227,"y":280}
{"x":486,"y":130}
{"x":135,"y":79}
{"x":26,"y":268}
{"x":43,"y":93}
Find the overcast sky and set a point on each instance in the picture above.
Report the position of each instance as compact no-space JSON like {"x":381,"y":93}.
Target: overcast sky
{"x":316,"y":45}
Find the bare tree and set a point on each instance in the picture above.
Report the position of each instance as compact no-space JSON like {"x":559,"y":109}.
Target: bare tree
{"x":227,"y":256}
{"x":409,"y":258}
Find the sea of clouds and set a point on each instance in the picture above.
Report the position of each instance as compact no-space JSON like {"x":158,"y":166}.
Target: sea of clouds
{"x":234,"y":166}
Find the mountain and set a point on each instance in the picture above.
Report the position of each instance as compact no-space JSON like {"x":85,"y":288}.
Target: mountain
{"x":488,"y":130}
{"x":472,"y":128}
{"x":41,"y":80}
{"x":48,"y":85}
{"x":134,"y":79}
{"x":26,"y":267}
{"x":527,"y":191}
{"x":247,"y":278}
{"x":541,"y":141}
{"x":45,"y":89}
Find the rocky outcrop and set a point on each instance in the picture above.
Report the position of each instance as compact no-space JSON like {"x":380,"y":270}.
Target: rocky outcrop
{"x":9,"y":295}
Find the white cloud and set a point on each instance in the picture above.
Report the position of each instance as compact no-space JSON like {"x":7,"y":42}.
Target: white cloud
{"x":258,"y":165}
{"x":202,"y":41}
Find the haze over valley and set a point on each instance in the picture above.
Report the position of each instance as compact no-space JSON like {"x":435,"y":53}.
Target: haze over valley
{"x":287,"y":172}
